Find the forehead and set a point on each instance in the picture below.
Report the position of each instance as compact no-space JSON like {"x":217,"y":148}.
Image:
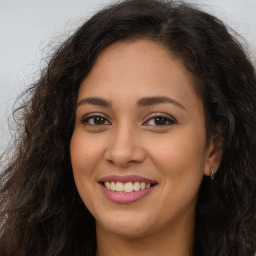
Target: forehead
{"x":141,"y":66}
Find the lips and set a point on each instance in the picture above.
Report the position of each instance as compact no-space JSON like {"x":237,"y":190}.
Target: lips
{"x":126,"y":189}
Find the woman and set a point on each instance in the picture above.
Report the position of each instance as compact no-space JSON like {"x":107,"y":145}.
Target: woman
{"x":138,"y":139}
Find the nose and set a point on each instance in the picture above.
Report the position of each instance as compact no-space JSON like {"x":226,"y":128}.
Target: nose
{"x":125,"y":148}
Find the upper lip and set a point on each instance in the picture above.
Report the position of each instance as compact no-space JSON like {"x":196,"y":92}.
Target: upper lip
{"x":126,"y":178}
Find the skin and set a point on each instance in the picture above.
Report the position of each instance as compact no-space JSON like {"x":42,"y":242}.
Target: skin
{"x":128,"y":140}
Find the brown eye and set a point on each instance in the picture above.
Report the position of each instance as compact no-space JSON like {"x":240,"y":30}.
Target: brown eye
{"x":98,"y":120}
{"x":160,"y":121}
{"x":95,"y":120}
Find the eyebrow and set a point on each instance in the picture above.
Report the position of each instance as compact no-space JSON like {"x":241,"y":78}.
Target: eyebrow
{"x":95,"y":101}
{"x":148,"y":101}
{"x":145,"y":101}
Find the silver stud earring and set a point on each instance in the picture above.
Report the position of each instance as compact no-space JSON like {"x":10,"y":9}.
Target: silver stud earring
{"x":212,"y":173}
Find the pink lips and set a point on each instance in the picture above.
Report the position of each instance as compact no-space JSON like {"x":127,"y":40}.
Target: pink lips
{"x":121,"y":197}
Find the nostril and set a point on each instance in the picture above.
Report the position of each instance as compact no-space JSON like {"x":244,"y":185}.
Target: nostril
{"x":123,"y":152}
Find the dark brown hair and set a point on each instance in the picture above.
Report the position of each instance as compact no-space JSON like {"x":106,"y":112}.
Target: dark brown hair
{"x":41,"y":212}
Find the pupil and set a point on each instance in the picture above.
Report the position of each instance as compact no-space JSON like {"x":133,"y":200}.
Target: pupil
{"x":160,"y":121}
{"x":99,"y":120}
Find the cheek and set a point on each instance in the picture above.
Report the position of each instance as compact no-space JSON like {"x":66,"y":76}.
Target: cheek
{"x":181,"y":159}
{"x":85,"y":156}
{"x":179,"y":151}
{"x":180,"y":165}
{"x":85,"y":153}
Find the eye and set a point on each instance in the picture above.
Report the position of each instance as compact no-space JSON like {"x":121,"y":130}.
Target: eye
{"x":160,"y":120}
{"x":95,"y":120}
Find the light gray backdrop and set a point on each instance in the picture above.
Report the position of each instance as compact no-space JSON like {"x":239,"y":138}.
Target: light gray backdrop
{"x":28,"y":26}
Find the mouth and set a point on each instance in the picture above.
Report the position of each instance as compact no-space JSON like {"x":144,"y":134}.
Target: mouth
{"x":126,"y":189}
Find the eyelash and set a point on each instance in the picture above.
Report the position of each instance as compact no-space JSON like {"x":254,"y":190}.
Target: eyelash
{"x":166,"y":118}
{"x":85,"y":120}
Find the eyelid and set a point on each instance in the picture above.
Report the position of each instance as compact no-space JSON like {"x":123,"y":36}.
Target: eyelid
{"x":168,"y":117}
{"x":171,"y":119}
{"x":86,"y":117}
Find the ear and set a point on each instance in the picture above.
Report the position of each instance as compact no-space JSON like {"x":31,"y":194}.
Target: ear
{"x":213,"y":156}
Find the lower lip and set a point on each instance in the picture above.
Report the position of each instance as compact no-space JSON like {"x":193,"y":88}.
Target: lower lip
{"x":125,"y":198}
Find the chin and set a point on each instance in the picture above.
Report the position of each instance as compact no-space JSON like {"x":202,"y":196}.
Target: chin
{"x":125,"y":225}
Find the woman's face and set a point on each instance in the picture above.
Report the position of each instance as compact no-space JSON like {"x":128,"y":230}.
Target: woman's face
{"x":139,"y":148}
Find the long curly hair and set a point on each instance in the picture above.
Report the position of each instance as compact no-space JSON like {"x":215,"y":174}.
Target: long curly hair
{"x":41,"y":212}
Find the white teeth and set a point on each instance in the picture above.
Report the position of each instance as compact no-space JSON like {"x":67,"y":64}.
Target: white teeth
{"x":136,"y":186}
{"x":107,"y":185}
{"x":119,"y":186}
{"x":113,"y":186}
{"x":126,"y":187}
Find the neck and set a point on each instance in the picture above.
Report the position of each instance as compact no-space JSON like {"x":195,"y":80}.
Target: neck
{"x":166,"y":242}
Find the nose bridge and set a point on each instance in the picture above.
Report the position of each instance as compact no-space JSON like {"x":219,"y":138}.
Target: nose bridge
{"x":124,"y":146}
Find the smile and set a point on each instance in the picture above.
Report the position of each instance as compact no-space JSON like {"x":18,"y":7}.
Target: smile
{"x":126,"y":189}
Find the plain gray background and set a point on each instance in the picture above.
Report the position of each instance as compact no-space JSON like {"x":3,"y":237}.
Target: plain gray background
{"x":28,"y":27}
